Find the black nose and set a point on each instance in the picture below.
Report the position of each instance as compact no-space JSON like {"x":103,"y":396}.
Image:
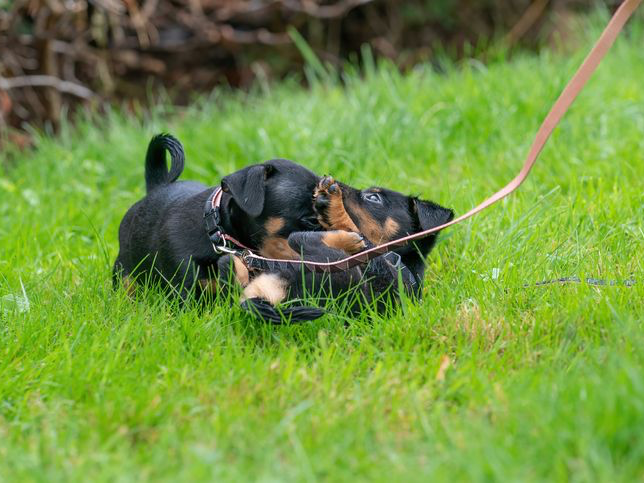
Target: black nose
{"x":224,"y":186}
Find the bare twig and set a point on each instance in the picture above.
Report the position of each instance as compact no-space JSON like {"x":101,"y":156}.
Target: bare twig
{"x":324,"y":11}
{"x":527,"y":20}
{"x":46,"y":81}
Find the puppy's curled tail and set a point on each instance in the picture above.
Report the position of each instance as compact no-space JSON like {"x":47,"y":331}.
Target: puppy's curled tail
{"x":156,"y":169}
{"x":263,"y":310}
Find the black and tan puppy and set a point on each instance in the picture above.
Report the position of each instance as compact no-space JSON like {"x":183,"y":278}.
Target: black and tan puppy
{"x":381,"y":215}
{"x":355,"y":219}
{"x":162,"y":237}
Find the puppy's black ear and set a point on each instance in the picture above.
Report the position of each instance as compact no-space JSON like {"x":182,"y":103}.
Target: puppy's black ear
{"x":430,"y":214}
{"x":248,"y":188}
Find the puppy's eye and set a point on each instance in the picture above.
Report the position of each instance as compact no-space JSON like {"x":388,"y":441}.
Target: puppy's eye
{"x":372,"y":197}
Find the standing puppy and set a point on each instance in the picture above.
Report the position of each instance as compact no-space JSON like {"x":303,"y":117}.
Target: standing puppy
{"x":163,"y":239}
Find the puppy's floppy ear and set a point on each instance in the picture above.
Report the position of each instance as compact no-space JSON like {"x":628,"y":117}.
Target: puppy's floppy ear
{"x":430,"y":214}
{"x":247,"y":188}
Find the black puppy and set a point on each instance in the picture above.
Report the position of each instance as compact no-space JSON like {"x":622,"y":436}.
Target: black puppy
{"x":162,"y":237}
{"x":356,"y":220}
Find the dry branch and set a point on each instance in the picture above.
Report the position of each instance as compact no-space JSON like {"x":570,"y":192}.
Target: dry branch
{"x":46,"y":81}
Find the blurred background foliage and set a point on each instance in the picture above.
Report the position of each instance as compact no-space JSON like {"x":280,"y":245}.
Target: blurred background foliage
{"x":56,"y":55}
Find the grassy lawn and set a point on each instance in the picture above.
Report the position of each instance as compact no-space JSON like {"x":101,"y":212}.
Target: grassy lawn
{"x":484,"y":380}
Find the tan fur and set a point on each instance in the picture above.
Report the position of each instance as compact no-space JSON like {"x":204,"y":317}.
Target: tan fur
{"x":277,"y":247}
{"x":371,"y":228}
{"x":344,"y":240}
{"x":128,"y":285}
{"x":391,"y":228}
{"x":208,"y":284}
{"x":268,"y":286}
{"x":337,"y":217}
{"x":274,"y":224}
{"x":241,"y":272}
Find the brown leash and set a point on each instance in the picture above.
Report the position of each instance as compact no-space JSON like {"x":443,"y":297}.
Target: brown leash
{"x":560,"y":107}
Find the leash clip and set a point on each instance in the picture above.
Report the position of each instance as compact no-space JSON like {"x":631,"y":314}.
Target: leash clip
{"x":223,"y":249}
{"x":218,"y":241}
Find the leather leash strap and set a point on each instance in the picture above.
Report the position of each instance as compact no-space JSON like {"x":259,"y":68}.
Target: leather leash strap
{"x":569,"y":94}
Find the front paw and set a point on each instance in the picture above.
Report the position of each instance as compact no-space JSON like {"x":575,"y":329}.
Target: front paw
{"x":347,"y":241}
{"x":326,"y":197}
{"x":329,"y":206}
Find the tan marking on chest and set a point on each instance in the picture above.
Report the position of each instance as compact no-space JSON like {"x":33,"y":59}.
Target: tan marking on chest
{"x":274,"y":224}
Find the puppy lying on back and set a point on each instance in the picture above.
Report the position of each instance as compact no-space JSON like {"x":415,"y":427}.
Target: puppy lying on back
{"x":162,"y":237}
{"x":354,"y":220}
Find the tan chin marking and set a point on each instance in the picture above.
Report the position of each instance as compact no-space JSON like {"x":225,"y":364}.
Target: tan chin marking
{"x":277,"y":247}
{"x":268,"y":286}
{"x":241,"y":272}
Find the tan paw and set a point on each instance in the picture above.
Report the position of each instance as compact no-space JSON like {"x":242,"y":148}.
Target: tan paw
{"x":347,"y":241}
{"x":329,"y":206}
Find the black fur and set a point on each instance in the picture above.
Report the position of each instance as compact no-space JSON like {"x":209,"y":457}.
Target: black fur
{"x":261,"y":309}
{"x":156,"y":171}
{"x":162,"y":237}
{"x":410,"y":213}
{"x":378,"y":282}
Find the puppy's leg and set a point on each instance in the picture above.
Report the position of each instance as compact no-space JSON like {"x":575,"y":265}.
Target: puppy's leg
{"x":319,"y":246}
{"x":328,"y":204}
{"x":231,"y":272}
{"x":316,"y":243}
{"x":119,"y":276}
{"x":184,"y":282}
{"x":347,"y":241}
{"x":272,"y":288}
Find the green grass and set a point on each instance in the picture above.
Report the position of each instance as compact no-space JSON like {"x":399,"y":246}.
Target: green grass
{"x":544,"y":382}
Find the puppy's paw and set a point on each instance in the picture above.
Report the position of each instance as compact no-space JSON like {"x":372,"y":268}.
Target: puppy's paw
{"x":328,"y":187}
{"x":347,"y":241}
{"x":329,"y":206}
{"x":326,"y":191}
